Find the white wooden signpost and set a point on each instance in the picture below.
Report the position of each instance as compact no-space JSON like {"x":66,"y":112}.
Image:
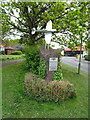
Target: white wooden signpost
{"x":53,"y":62}
{"x":48,"y":32}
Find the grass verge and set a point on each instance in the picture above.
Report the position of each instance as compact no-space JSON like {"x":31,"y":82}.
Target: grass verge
{"x":11,"y":57}
{"x":17,"y":105}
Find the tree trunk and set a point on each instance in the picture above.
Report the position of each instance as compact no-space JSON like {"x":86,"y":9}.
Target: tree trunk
{"x":32,"y":40}
{"x":79,"y":65}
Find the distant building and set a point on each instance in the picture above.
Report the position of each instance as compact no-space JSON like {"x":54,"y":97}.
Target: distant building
{"x":9,"y":50}
{"x":74,"y":52}
{"x":2,"y":47}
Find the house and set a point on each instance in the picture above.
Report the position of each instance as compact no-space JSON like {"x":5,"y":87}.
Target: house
{"x":9,"y":50}
{"x":4,"y":49}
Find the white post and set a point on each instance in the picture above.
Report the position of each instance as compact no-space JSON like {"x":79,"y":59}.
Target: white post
{"x":45,"y":45}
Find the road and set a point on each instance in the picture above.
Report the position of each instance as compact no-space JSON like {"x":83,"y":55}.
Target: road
{"x":73,"y":61}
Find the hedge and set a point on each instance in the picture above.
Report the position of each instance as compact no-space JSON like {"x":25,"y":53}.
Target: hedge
{"x":16,"y":53}
{"x":32,"y":56}
{"x":87,"y":57}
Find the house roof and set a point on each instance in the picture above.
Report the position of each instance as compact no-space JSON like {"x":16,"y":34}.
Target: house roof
{"x":9,"y":48}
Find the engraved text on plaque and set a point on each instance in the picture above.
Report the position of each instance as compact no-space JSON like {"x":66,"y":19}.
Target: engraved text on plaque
{"x":53,"y":63}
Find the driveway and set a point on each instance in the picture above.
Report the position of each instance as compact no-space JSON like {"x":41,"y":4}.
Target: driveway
{"x":73,"y":61}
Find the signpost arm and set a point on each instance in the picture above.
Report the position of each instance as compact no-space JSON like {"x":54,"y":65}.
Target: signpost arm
{"x":48,"y":33}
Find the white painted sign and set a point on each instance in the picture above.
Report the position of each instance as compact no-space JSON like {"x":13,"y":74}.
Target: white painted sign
{"x":48,"y":32}
{"x":53,"y":63}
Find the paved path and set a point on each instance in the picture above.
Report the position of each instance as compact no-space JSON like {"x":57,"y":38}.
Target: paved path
{"x":5,"y":63}
{"x":73,"y":61}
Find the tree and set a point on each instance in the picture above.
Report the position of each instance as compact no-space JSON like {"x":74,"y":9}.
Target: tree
{"x":80,"y":28}
{"x":76,"y":26}
{"x":73,"y":23}
{"x":66,"y":18}
{"x":4,"y":25}
{"x":30,"y":15}
{"x":70,"y":19}
{"x":11,"y":42}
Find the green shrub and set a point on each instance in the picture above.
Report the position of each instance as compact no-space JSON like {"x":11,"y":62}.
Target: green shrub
{"x":16,"y":53}
{"x":3,"y":59}
{"x":58,"y":74}
{"x":2,"y":52}
{"x":32,"y":58}
{"x":53,"y":91}
{"x":42,"y":69}
{"x":87,"y":57}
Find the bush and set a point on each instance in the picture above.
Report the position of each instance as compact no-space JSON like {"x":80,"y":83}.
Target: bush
{"x":42,"y":69}
{"x":53,"y":91}
{"x":32,"y":58}
{"x":16,"y":53}
{"x":2,"y":53}
{"x":87,"y":57}
{"x":58,"y":74}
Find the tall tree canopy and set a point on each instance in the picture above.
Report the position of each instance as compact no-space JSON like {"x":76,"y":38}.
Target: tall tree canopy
{"x":71,"y":19}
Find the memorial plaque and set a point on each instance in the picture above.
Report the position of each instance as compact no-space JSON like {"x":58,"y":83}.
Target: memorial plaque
{"x":53,"y":63}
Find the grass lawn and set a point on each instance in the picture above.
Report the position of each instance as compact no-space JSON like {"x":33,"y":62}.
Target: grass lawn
{"x":11,"y":57}
{"x":17,"y":105}
{"x":0,"y":93}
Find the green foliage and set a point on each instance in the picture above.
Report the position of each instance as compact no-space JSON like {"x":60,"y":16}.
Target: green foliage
{"x":87,"y":57}
{"x":56,"y":91}
{"x":42,"y":69}
{"x":11,"y":42}
{"x":58,"y":74}
{"x":59,"y":54}
{"x":16,"y":53}
{"x":11,"y":57}
{"x":71,"y":17}
{"x":2,"y":52}
{"x":32,"y":58}
{"x":4,"y":25}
